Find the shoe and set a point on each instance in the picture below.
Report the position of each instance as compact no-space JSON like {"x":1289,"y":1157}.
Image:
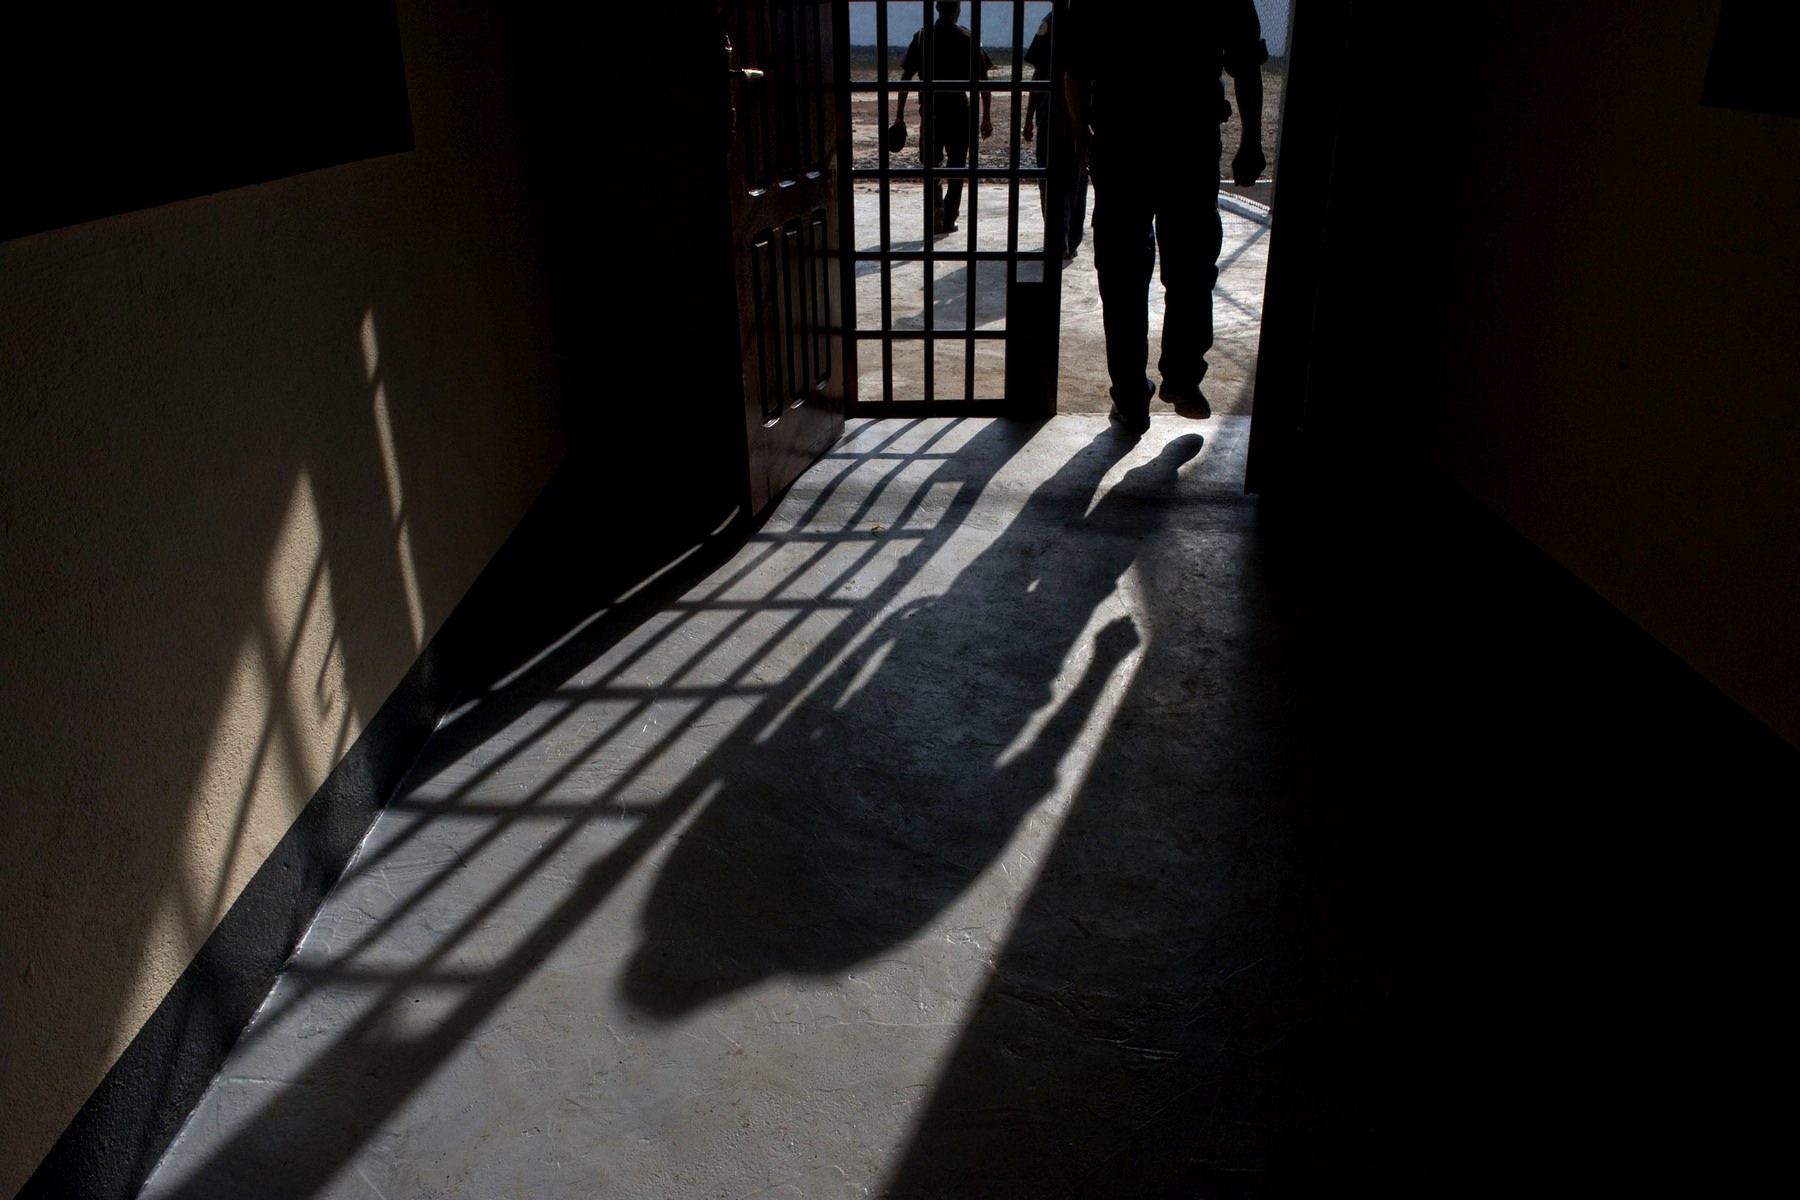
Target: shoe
{"x":1134,"y":426}
{"x":1137,"y":423}
{"x":1187,"y":398}
{"x":937,"y":220}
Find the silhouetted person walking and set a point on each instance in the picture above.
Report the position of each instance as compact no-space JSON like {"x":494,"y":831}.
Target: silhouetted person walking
{"x":944,"y":115}
{"x":1055,"y":153}
{"x":1130,"y":82}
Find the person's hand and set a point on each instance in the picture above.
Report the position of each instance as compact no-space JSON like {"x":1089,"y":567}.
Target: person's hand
{"x":1084,"y":143}
{"x":1248,"y":164}
{"x":987,"y":128}
{"x":1026,"y":132}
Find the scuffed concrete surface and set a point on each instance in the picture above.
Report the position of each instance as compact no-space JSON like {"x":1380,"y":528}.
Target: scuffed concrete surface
{"x":720,"y":913}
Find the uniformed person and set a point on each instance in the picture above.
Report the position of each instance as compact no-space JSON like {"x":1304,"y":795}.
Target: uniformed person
{"x":1064,"y":177}
{"x":944,"y":115}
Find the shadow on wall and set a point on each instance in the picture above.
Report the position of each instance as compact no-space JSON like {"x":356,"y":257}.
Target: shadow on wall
{"x":259,"y":443}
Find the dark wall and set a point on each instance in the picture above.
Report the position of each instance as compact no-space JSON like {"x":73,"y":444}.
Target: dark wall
{"x":126,"y":107}
{"x":1553,"y":271}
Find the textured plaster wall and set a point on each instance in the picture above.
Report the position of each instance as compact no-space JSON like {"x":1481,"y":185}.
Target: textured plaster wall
{"x":255,"y":447}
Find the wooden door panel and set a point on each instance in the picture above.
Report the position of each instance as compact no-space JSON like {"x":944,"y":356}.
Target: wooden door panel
{"x":783,"y":172}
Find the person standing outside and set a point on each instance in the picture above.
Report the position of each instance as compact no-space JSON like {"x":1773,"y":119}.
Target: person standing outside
{"x":944,"y":115}
{"x":1063,"y":177}
{"x":1151,"y":139}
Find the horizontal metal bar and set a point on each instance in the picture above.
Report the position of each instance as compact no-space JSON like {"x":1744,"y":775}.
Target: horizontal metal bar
{"x":945,"y":256}
{"x":981,"y":406}
{"x":919,"y":335}
{"x":875,"y":87}
{"x":945,"y":173}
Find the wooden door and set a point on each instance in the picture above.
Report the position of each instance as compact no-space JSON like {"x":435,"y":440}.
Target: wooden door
{"x":783,"y":172}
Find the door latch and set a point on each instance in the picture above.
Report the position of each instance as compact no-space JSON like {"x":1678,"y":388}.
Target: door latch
{"x":748,"y":75}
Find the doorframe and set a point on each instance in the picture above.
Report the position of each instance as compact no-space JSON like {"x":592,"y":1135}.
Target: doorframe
{"x":1283,"y":407}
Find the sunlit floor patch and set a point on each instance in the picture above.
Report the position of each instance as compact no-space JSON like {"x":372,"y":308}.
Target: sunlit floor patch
{"x":709,"y":917}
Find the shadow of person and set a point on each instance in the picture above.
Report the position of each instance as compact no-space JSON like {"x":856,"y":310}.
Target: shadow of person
{"x":867,"y":810}
{"x":813,"y":844}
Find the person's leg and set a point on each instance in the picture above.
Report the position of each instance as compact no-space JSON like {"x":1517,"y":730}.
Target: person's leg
{"x":1072,"y":185}
{"x":1059,"y":171}
{"x":1124,"y":256}
{"x":1077,"y":203}
{"x":1044,"y":163}
{"x":954,"y":129}
{"x":1188,"y":238}
{"x":931,"y":153}
{"x":1040,"y":150}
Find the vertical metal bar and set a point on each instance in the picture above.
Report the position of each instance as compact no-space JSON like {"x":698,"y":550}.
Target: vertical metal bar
{"x":885,"y":186}
{"x":889,"y":257}
{"x":1015,"y":157}
{"x":1056,"y":202}
{"x":840,"y":352}
{"x":972,"y":161}
{"x":1055,"y":199}
{"x":927,"y":127}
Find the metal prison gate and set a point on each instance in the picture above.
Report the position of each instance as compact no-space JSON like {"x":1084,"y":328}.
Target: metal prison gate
{"x":964,"y":322}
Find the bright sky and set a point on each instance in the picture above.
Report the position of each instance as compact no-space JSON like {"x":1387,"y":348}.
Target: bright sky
{"x":903,"y":20}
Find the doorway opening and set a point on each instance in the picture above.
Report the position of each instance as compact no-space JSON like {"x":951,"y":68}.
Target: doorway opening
{"x":952,"y":315}
{"x":991,"y":318}
{"x":1243,"y":262}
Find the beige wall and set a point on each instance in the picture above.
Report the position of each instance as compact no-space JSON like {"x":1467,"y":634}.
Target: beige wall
{"x":256,"y":446}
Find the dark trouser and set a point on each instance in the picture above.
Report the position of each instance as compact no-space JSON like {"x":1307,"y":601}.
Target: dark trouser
{"x":946,"y":132}
{"x":1072,"y":185}
{"x":1144,"y":210}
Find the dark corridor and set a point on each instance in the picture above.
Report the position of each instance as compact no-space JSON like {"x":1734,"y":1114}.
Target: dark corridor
{"x":1020,"y":812}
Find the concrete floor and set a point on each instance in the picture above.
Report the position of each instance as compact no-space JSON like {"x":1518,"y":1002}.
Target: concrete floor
{"x":713,"y":918}
{"x":1024,"y":811}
